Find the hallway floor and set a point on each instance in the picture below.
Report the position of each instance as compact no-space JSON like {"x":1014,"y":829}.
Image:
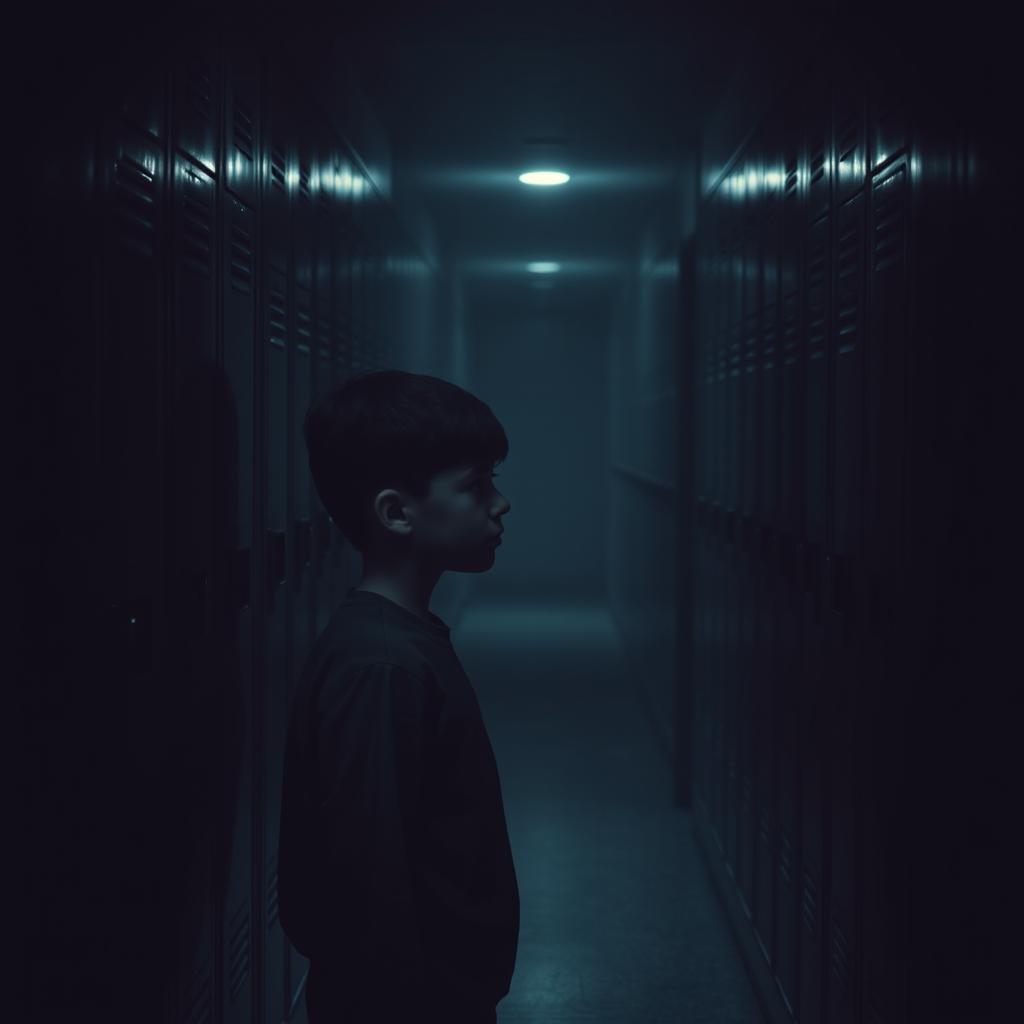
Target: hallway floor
{"x":619,"y":923}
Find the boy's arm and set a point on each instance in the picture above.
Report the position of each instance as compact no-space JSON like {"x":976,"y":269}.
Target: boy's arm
{"x":369,"y":752}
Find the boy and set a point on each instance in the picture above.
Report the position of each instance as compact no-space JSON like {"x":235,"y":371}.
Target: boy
{"x":395,"y":870}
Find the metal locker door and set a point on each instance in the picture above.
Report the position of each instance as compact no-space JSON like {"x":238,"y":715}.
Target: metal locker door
{"x":299,"y":587}
{"x":241,"y":121}
{"x":357,"y":297}
{"x":277,"y":162}
{"x":304,"y":197}
{"x":848,"y":381}
{"x":196,"y":94}
{"x":817,"y":292}
{"x":845,"y":728}
{"x":718,"y":682}
{"x":731,"y":668}
{"x":237,"y":434}
{"x":192,"y":378}
{"x":765,"y":683}
{"x":752,"y":176}
{"x":126,"y":558}
{"x":766,"y":678}
{"x":818,"y":680}
{"x":325,"y":533}
{"x":888,"y":319}
{"x":785,"y":729}
{"x":885,"y":839}
{"x":274,"y":675}
{"x":301,"y":481}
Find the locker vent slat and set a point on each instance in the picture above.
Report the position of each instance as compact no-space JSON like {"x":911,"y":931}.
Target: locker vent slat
{"x":135,"y":203}
{"x":277,"y":314}
{"x":243,"y":129}
{"x":242,"y":259}
{"x":890,"y":220}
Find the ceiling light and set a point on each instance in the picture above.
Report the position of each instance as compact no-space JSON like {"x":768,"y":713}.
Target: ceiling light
{"x":542,"y":267}
{"x":544,"y":178}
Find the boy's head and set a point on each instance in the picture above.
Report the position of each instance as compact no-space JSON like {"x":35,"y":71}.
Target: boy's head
{"x":403,"y":463}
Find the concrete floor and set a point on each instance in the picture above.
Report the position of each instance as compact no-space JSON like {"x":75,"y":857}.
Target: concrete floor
{"x":619,"y":920}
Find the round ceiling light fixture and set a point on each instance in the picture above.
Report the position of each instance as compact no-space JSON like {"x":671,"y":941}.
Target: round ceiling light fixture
{"x":544,"y":178}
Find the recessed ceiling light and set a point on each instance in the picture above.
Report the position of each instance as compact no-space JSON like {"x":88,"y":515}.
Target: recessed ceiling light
{"x":544,"y":178}
{"x":542,"y":267}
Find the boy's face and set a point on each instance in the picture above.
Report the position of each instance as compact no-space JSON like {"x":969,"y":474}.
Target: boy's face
{"x":456,"y":525}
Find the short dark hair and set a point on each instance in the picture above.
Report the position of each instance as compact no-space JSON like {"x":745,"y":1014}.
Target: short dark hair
{"x":395,"y":429}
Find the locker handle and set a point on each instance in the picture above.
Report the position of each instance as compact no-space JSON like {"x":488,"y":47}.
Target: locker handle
{"x":276,"y":568}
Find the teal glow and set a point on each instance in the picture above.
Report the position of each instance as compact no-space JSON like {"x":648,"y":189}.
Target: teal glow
{"x":544,"y":178}
{"x":543,"y":268}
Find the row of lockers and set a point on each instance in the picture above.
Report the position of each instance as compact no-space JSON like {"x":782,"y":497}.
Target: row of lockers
{"x":219,"y":257}
{"x":812,"y":462}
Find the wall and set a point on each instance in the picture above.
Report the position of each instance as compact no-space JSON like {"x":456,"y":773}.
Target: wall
{"x":648,"y":469}
{"x":542,"y":367}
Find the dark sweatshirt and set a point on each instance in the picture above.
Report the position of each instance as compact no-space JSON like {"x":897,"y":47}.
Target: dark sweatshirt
{"x":395,"y":873}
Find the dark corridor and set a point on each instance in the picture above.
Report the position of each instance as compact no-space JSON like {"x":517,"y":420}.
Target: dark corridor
{"x":746,"y":652}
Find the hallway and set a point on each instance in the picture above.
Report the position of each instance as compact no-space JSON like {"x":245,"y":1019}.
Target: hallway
{"x":731,"y":289}
{"x":620,"y":922}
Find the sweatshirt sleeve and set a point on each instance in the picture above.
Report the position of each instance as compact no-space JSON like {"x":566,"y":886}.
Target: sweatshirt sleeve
{"x":369,"y":746}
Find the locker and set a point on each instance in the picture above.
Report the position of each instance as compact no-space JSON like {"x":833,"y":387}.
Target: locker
{"x":274,"y":681}
{"x":299,"y":589}
{"x":790,"y":368}
{"x":888,"y":106}
{"x":325,"y":541}
{"x":191,"y":363}
{"x":841,"y":924}
{"x":747,"y":669}
{"x":304,"y":198}
{"x":731,"y":685}
{"x":238,"y":310}
{"x":196,"y":101}
{"x":848,"y":379}
{"x":731,"y":492}
{"x":787,"y":880}
{"x":191,"y":381}
{"x":140,"y":92}
{"x":357,"y":299}
{"x":885,"y":369}
{"x":719,"y":691}
{"x":885,"y":840}
{"x":817,"y":291}
{"x":818,"y":678}
{"x":765,"y":682}
{"x":849,"y":119}
{"x":817,"y":126}
{"x":126,"y":561}
{"x":301,"y":483}
{"x":768,"y":482}
{"x":241,"y":139}
{"x":278,"y":176}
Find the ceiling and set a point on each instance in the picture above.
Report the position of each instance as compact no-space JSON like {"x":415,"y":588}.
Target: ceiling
{"x":471,"y":96}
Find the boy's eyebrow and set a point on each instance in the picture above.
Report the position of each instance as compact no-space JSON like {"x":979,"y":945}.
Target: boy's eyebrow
{"x":484,"y":467}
